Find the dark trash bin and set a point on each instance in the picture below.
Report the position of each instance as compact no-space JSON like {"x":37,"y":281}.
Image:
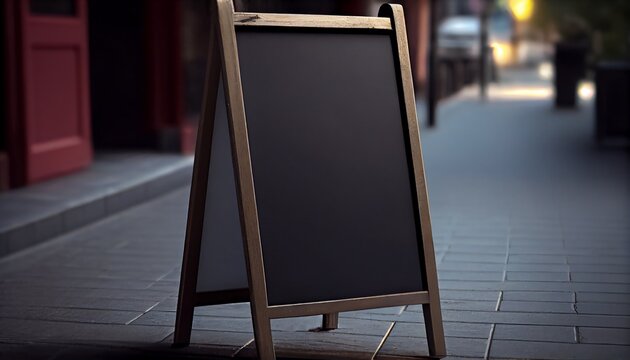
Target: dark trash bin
{"x":569,"y":68}
{"x":612,"y":101}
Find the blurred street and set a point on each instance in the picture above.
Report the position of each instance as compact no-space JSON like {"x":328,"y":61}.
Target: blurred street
{"x":530,"y":221}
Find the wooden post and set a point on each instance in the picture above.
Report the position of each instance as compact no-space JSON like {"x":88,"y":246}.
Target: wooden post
{"x":330,"y":321}
{"x":483,"y":50}
{"x":432,"y":65}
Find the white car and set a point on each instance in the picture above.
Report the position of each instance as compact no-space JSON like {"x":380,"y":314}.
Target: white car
{"x":459,"y":35}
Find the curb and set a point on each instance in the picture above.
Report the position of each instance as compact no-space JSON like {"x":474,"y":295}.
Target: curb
{"x":88,"y":210}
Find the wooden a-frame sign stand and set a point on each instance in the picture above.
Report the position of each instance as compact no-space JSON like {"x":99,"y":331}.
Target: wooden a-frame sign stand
{"x":223,"y":62}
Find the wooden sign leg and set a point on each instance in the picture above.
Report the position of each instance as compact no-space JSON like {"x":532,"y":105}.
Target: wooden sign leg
{"x":330,"y":321}
{"x":196,"y":206}
{"x":244,"y":179}
{"x":432,"y":312}
{"x":183,"y":324}
{"x":262,"y":334}
{"x":433,"y":325}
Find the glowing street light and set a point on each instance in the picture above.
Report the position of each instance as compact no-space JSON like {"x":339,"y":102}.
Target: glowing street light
{"x":521,"y":9}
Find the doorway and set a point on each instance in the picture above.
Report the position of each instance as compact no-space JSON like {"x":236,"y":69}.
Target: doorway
{"x":118,"y":75}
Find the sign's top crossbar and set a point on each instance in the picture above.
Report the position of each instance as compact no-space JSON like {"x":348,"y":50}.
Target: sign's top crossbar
{"x":312,"y":21}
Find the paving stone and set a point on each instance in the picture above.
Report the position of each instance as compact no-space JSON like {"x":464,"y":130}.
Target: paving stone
{"x":79,"y":302}
{"x":154,"y":351}
{"x":535,"y":225}
{"x":522,"y":286}
{"x":394,"y":310}
{"x":407,"y":316}
{"x":603,"y":308}
{"x":531,"y":233}
{"x":404,"y":347}
{"x":537,"y":276}
{"x":170,"y":304}
{"x":323,"y":345}
{"x":389,"y":312}
{"x":604,"y":260}
{"x":470,"y":285}
{"x":481,"y":276}
{"x":545,"y":239}
{"x":163,"y":285}
{"x":595,"y":297}
{"x":606,"y":268}
{"x":545,"y":350}
{"x":537,"y":306}
{"x":600,"y":277}
{"x":481,"y":240}
{"x":460,"y":305}
{"x":526,"y":318}
{"x":417,"y":347}
{"x":161,"y":318}
{"x":601,"y":287}
{"x":555,"y":248}
{"x":469,"y":295}
{"x":467,"y":266}
{"x":68,"y":315}
{"x":451,"y":329}
{"x":396,"y":357}
{"x":604,"y":336}
{"x":356,"y":326}
{"x":54,"y":272}
{"x":81,"y":283}
{"x":62,"y":332}
{"x":464,"y":231}
{"x":480,"y":249}
{"x":480,"y":258}
{"x":217,"y":343}
{"x":534,"y":333}
{"x":538,"y":267}
{"x":566,"y":297}
{"x":228,"y":310}
{"x":537,"y":259}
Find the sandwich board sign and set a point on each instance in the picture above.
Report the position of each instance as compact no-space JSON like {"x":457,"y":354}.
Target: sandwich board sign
{"x":308,"y":194}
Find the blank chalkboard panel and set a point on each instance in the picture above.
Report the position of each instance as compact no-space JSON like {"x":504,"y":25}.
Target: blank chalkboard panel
{"x":221,"y":257}
{"x":330,"y":164}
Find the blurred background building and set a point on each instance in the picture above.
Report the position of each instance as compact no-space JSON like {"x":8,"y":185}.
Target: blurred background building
{"x":81,"y":76}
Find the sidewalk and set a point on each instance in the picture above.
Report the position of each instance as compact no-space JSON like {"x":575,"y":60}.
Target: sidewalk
{"x":532,"y":234}
{"x":114,"y":182}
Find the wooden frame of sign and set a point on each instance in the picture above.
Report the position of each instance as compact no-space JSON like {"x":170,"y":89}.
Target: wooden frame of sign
{"x":223,"y":68}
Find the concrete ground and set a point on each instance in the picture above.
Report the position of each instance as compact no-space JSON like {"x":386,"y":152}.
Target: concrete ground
{"x":532,"y":234}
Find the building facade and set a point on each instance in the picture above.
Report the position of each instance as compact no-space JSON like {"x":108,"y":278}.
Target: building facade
{"x":81,"y":76}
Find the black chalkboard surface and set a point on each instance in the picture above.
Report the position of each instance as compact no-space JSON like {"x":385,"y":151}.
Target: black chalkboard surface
{"x":331,"y":170}
{"x":308,"y":194}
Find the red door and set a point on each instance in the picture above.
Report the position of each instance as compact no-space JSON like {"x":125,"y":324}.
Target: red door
{"x":53,"y":89}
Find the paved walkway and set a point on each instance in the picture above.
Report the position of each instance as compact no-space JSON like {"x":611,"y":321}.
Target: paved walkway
{"x":532,"y":237}
{"x":114,"y":182}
